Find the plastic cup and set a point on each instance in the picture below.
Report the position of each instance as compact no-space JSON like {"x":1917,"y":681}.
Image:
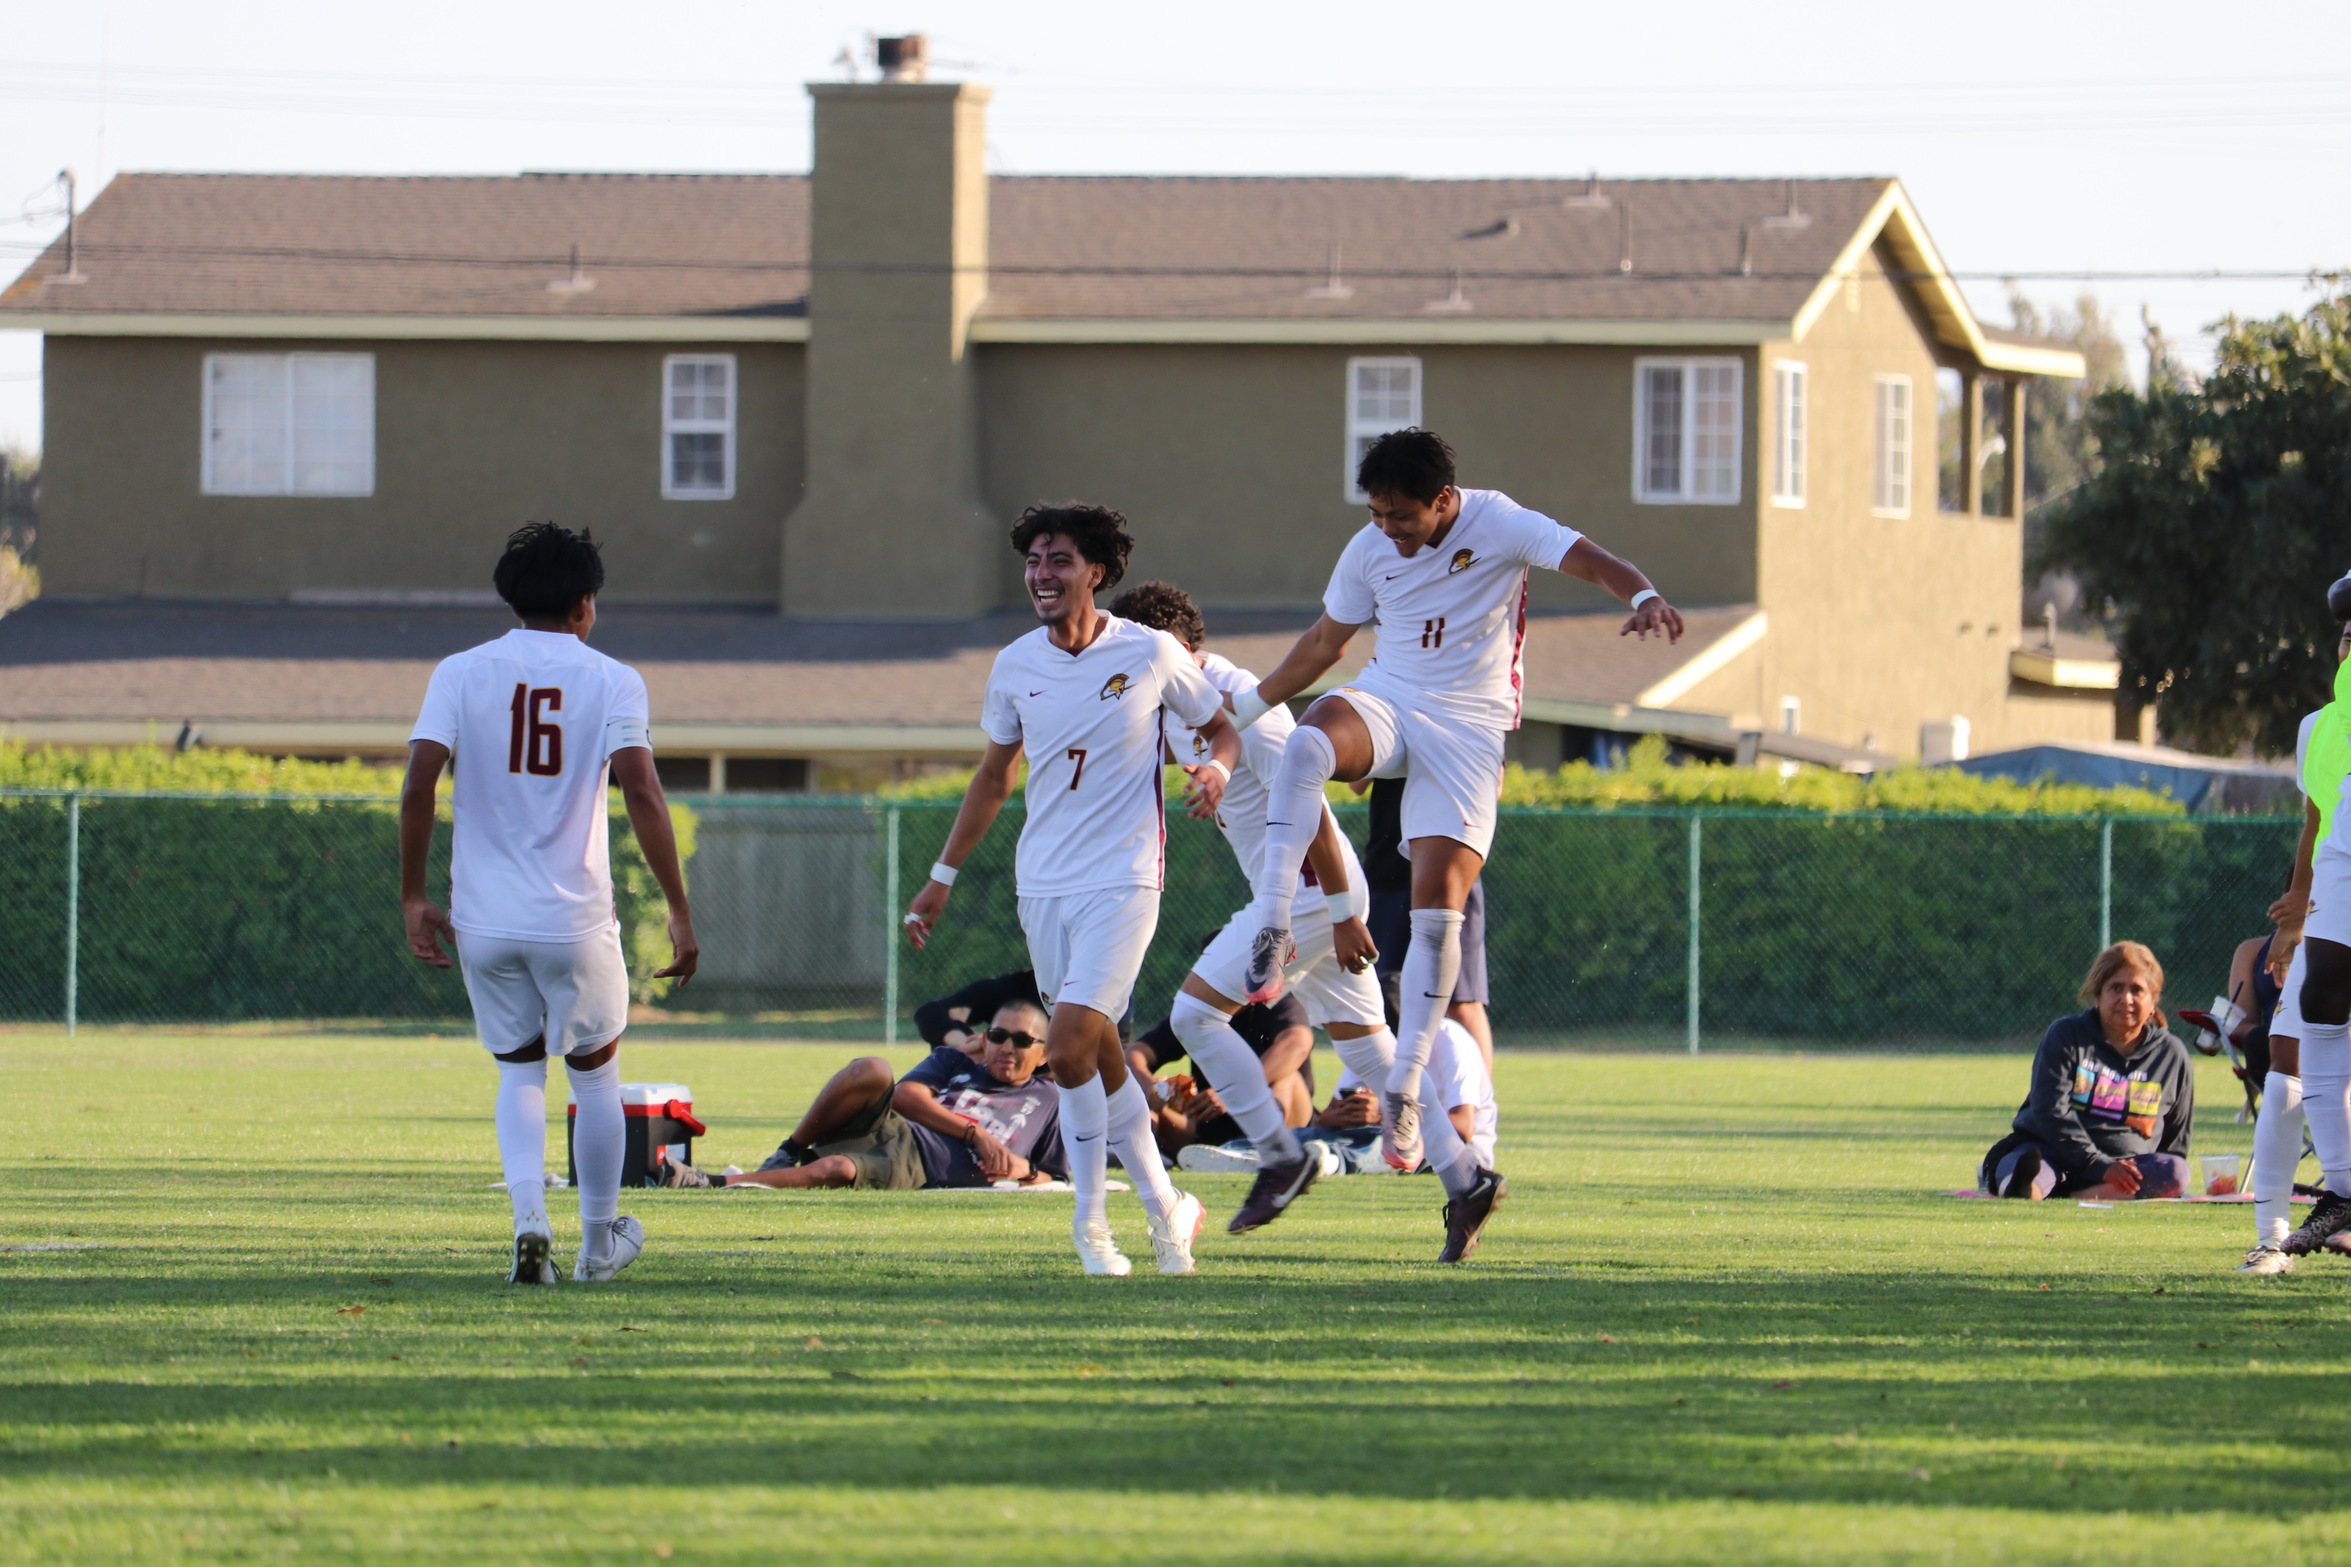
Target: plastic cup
{"x":2220,"y":1174}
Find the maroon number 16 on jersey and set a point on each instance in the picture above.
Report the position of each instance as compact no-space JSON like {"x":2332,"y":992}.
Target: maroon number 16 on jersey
{"x":533,"y":745}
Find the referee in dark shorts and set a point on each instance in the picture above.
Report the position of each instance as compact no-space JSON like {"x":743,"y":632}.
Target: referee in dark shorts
{"x":1387,"y":874}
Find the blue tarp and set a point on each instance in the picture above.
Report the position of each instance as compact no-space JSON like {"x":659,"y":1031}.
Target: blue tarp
{"x":2201,"y":783}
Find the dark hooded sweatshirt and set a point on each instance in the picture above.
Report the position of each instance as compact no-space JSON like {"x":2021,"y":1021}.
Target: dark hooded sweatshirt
{"x":2089,"y":1104}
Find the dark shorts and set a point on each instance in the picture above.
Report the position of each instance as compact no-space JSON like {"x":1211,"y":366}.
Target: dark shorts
{"x":881,"y":1144}
{"x":1390,"y":923}
{"x":2160,"y":1174}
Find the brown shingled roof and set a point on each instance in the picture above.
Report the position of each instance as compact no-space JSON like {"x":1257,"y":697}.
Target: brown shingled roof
{"x":1064,"y":248}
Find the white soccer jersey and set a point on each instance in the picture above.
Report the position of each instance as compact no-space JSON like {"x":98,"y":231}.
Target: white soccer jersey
{"x":1090,"y":724}
{"x":1456,"y":1076}
{"x":532,"y":719}
{"x":1241,"y":814}
{"x":1452,"y":618}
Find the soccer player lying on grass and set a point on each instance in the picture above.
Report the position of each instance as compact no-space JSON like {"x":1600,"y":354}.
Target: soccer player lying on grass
{"x":2112,"y":1097}
{"x":951,"y":1121}
{"x":1186,"y":1106}
{"x":533,"y":722}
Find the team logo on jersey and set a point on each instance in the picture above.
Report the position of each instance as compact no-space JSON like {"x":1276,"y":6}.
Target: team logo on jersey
{"x":1115,"y":687}
{"x":1199,"y":745}
{"x":1461,"y":559}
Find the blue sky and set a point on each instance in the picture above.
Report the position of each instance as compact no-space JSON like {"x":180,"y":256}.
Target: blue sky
{"x":2036,"y":138}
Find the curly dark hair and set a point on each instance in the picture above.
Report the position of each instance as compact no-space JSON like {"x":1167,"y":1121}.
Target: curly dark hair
{"x":547,"y":569}
{"x":1099,"y":533}
{"x":1415,"y":462}
{"x":1163,"y":607}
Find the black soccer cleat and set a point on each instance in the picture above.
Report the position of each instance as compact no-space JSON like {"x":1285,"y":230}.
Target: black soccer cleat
{"x":532,"y":1264}
{"x":2332,"y":1215}
{"x":1276,"y":1187}
{"x":2022,"y":1174}
{"x":1466,"y":1216}
{"x":1272,"y":952}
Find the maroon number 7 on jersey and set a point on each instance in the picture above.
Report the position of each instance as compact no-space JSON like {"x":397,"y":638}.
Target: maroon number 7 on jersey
{"x":1077,"y":754}
{"x":533,"y":745}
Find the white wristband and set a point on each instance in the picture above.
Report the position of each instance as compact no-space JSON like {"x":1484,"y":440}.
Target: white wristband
{"x":1352,"y":903}
{"x":1248,"y":707}
{"x":944,"y":874}
{"x":1220,"y":767}
{"x":1644,"y":596}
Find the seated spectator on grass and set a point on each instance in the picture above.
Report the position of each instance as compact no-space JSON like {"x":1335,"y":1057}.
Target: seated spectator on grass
{"x":2107,"y":1114}
{"x":948,"y":1021}
{"x":951,"y":1121}
{"x":1185,"y":1108}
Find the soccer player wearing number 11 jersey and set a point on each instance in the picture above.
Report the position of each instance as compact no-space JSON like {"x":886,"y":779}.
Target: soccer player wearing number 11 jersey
{"x":531,"y":723}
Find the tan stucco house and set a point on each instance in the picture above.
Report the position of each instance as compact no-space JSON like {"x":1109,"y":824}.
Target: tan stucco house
{"x":289,"y":418}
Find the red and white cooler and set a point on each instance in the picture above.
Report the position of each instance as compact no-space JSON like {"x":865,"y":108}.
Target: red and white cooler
{"x":661,"y":1130}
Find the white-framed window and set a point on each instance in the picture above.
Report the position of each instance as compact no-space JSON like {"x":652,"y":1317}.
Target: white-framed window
{"x":1686,"y":431}
{"x":1382,"y":395}
{"x":1890,"y":489}
{"x":698,"y":427}
{"x":1789,"y":383}
{"x":289,"y":424}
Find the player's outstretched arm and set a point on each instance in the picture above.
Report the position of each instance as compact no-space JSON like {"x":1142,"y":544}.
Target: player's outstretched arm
{"x":1309,"y":659}
{"x":983,"y":798}
{"x":427,"y":925}
{"x":640,"y":790}
{"x":1590,"y":563}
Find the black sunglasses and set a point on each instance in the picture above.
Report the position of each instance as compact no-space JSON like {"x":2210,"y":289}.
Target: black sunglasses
{"x":999,"y":1036}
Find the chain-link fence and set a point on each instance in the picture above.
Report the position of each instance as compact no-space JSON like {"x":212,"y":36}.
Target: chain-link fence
{"x":1665,"y":927}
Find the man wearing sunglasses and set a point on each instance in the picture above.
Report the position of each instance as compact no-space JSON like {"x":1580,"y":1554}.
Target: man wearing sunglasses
{"x":951,"y":1121}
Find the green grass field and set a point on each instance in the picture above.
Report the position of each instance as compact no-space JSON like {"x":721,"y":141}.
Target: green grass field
{"x":1722,"y":1318}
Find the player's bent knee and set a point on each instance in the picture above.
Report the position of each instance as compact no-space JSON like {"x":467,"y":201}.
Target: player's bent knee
{"x":589,"y":1060}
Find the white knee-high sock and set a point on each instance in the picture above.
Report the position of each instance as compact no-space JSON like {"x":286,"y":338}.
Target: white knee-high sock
{"x":1455,"y":1161}
{"x":1238,"y":1076}
{"x":1293,"y":815}
{"x":2326,"y":1069}
{"x":2277,"y":1149}
{"x":1369,"y":1057}
{"x":522,"y":1140}
{"x":1431,"y":967}
{"x":1085,"y":1129}
{"x":1129,"y":1128}
{"x":599,"y":1135}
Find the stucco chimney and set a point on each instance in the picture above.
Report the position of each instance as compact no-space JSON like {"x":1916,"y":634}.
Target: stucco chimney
{"x":892,"y":524}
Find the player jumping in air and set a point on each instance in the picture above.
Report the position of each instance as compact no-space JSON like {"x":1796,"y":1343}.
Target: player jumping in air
{"x":1331,"y":970}
{"x":1082,"y":695}
{"x":532,"y":722}
{"x":1442,"y":572}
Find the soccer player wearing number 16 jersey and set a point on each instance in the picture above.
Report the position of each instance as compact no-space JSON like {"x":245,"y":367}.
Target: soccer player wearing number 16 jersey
{"x":1442,"y":572}
{"x":1082,"y":695}
{"x":531,"y":722}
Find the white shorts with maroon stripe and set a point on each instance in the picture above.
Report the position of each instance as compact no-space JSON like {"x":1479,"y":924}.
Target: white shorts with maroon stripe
{"x":1451,"y":767}
{"x":1088,"y":947}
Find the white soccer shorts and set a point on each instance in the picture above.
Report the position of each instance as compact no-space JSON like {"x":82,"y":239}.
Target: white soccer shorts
{"x":2286,"y":1021}
{"x":1452,"y":770}
{"x":575,"y":994}
{"x":1088,"y":947}
{"x":1328,"y":992}
{"x":2330,"y":900}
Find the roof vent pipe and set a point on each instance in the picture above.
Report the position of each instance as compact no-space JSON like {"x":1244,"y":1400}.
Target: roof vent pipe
{"x":1794,"y":217}
{"x":904,"y":59}
{"x":1590,"y":195}
{"x":1624,"y":236}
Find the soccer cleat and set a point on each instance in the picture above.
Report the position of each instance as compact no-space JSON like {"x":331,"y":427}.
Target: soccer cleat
{"x":1172,"y":1237}
{"x":1400,"y":1131}
{"x":628,"y":1239}
{"x":2332,"y":1214}
{"x":531,"y":1251}
{"x":1276,"y":1187}
{"x":1100,"y":1254}
{"x":1466,"y":1216}
{"x":1216,"y":1159}
{"x":2267,"y":1261}
{"x":1269,"y":954}
{"x":675,"y":1174}
{"x":2023,"y":1175}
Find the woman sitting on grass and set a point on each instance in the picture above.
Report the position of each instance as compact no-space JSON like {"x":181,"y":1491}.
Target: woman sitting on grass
{"x":2106,"y":1117}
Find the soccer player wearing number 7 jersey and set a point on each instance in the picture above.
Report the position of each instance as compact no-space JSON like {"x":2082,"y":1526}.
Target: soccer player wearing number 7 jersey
{"x":1082,"y":695}
{"x":1442,"y":572}
{"x":532,"y":722}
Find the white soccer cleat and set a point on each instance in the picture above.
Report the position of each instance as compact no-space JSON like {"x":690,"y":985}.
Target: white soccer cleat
{"x":1216,"y":1159}
{"x":2266,"y":1261}
{"x":1172,"y":1237}
{"x":628,"y":1239}
{"x":1099,"y":1254}
{"x":1400,"y":1132}
{"x":532,"y":1249}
